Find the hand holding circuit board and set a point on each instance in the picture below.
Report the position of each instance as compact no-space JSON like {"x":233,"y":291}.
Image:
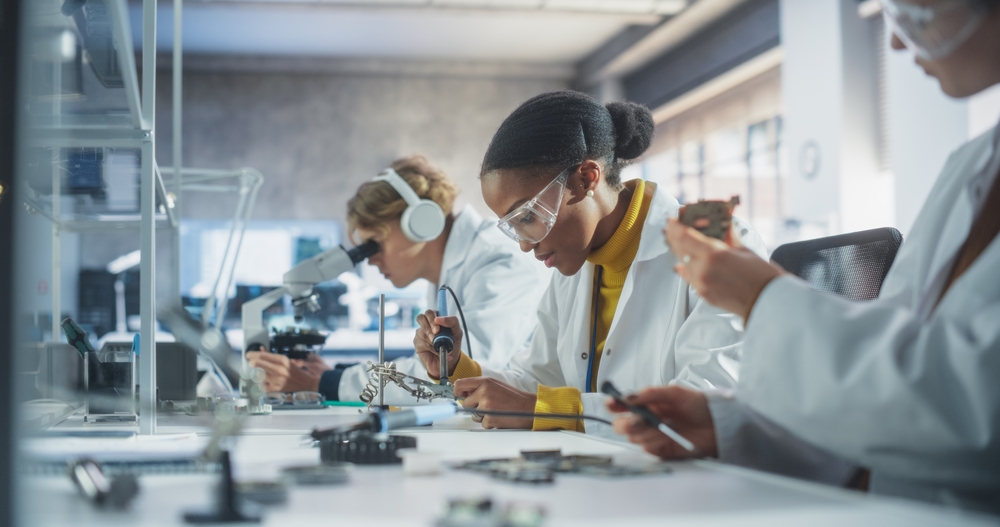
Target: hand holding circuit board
{"x":712,"y":218}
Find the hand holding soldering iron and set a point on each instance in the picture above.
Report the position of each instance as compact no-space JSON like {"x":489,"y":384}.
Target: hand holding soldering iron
{"x":423,"y":341}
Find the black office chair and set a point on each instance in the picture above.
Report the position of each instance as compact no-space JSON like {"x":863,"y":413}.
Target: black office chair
{"x":852,"y":265}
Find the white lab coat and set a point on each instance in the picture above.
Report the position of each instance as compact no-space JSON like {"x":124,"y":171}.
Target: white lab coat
{"x":662,"y":332}
{"x":499,"y":288}
{"x":910,"y":391}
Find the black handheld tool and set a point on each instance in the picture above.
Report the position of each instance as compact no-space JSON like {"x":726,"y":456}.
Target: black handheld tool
{"x":90,"y":480}
{"x":444,"y":342}
{"x":77,"y":337}
{"x":646,"y":415}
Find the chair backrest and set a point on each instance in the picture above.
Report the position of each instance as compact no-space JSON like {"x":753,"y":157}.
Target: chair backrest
{"x":852,"y":265}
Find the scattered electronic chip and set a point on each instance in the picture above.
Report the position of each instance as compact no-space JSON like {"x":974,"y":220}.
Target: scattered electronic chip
{"x":542,"y":466}
{"x":481,"y":512}
{"x":711,"y":217}
{"x":363,"y":448}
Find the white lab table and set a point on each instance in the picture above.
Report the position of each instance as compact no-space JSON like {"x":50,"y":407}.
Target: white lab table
{"x":695,"y":493}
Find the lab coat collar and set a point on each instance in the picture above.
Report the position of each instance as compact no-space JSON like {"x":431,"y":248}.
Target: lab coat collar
{"x":467,"y":224}
{"x":651,"y":243}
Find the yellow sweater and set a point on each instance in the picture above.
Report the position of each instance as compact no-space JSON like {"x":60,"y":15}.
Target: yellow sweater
{"x":614,"y":258}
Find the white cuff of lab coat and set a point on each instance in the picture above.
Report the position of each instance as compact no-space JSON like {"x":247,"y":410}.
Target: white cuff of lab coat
{"x":748,"y":439}
{"x":594,"y":404}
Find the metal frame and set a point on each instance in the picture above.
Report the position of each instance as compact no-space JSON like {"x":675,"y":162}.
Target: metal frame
{"x":137,"y":131}
{"x":248,"y":183}
{"x":10,"y":40}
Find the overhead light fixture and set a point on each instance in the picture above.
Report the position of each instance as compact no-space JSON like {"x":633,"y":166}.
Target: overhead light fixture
{"x":869,"y":9}
{"x":124,"y":262}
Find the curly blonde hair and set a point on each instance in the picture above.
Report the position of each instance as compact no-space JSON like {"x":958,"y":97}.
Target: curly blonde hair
{"x":376,"y":204}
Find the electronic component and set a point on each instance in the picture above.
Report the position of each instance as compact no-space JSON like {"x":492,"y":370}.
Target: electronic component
{"x":712,"y":218}
{"x":481,"y":512}
{"x":364,"y":448}
{"x":542,"y":466}
{"x":90,"y":480}
{"x":329,"y":473}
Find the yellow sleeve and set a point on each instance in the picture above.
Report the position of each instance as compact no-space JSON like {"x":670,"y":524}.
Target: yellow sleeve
{"x":466,"y":368}
{"x":564,"y":400}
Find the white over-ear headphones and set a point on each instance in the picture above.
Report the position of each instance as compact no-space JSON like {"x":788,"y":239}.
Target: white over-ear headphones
{"x":423,"y":219}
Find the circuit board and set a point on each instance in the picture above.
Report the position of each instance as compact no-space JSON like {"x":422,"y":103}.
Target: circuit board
{"x":712,"y":218}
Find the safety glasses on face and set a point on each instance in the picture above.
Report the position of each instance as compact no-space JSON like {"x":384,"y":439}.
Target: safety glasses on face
{"x":933,"y":31}
{"x":533,"y":220}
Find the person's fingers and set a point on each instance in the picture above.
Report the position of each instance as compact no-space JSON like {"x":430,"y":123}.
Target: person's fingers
{"x":273,"y":370}
{"x":659,"y":395}
{"x":686,"y":241}
{"x":314,"y":357}
{"x":273,"y":358}
{"x":429,"y":317}
{"x":683,"y":272}
{"x":424,"y":321}
{"x":449,"y":322}
{"x":733,"y":237}
{"x":466,"y":389}
{"x":615,"y":406}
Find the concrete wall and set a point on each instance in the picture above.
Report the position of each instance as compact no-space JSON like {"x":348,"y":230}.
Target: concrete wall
{"x":316,"y":137}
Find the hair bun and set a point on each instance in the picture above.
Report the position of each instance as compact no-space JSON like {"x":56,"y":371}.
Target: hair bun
{"x":633,"y":126}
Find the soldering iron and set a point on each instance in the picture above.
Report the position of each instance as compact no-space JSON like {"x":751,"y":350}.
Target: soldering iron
{"x":443,"y":342}
{"x":381,"y":421}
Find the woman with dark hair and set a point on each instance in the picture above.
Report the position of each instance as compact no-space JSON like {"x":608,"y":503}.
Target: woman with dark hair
{"x":616,"y":311}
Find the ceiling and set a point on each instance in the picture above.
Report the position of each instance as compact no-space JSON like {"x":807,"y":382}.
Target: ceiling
{"x":525,"y":31}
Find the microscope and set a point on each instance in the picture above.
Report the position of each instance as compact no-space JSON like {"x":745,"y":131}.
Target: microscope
{"x":299,"y":282}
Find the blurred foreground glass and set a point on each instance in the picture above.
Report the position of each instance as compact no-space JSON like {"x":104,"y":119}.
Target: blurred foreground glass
{"x":298,"y":399}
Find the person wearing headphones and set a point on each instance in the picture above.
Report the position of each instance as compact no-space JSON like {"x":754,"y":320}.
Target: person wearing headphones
{"x":906,"y":385}
{"x":616,"y":310}
{"x":407,"y":209}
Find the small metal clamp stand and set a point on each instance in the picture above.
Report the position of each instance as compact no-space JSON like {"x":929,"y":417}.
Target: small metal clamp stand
{"x":227,"y":509}
{"x":381,"y":351}
{"x":380,"y":372}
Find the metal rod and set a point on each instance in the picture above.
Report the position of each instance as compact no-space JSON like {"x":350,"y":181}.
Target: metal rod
{"x":381,"y":348}
{"x":55,"y":288}
{"x":147,"y":230}
{"x":178,"y":152}
{"x":122,"y":32}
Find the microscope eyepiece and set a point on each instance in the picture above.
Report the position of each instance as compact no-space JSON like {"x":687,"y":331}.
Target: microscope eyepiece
{"x":363,"y":251}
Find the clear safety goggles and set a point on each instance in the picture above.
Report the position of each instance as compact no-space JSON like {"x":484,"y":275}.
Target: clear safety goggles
{"x":533,"y":220}
{"x":933,"y":31}
{"x":297,"y":399}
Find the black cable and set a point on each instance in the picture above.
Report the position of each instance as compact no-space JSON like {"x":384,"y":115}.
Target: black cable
{"x":499,"y":413}
{"x":465,"y":328}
